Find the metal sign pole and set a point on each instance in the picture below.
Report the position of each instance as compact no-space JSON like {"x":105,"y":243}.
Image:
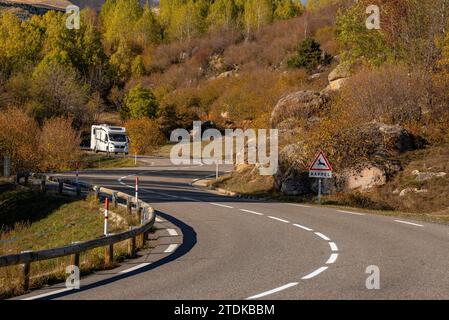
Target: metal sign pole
{"x":6,"y":166}
{"x":319,"y":191}
{"x":137,"y":189}
{"x":106,"y":216}
{"x":216,"y":170}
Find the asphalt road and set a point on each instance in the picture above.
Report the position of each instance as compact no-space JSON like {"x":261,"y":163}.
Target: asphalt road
{"x":229,"y":248}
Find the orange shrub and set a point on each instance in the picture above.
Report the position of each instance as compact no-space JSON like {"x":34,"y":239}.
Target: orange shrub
{"x":19,"y":139}
{"x":145,"y":135}
{"x":59,"y":145}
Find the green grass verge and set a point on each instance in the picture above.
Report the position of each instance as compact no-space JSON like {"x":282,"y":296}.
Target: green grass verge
{"x":47,"y":222}
{"x":103,"y":161}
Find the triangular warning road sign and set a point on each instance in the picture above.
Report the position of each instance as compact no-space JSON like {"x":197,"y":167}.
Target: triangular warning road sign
{"x":321,"y":163}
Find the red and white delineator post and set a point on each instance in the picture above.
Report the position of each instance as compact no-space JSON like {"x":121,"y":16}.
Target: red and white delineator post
{"x":106,"y":217}
{"x":137,"y":189}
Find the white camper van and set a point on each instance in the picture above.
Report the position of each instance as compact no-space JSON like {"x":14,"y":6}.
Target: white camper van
{"x":109,"y":139}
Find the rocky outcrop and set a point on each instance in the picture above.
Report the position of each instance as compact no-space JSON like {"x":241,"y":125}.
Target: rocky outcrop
{"x":406,"y":191}
{"x":389,"y":139}
{"x":424,"y":176}
{"x":384,"y":141}
{"x":291,"y":178}
{"x":299,"y":105}
{"x":338,"y":78}
{"x":294,"y":183}
{"x":340,"y":72}
{"x":366,"y":176}
{"x":335,"y":85}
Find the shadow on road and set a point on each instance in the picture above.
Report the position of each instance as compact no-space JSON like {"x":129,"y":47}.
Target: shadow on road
{"x":189,"y":241}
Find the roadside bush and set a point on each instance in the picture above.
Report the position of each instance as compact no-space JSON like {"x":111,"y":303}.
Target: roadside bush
{"x":139,"y":102}
{"x":391,"y":94}
{"x":145,"y":135}
{"x":309,"y":55}
{"x":19,"y":138}
{"x":59,"y":145}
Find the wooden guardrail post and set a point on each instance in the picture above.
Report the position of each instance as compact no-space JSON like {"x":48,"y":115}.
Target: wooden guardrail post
{"x":97,"y":193}
{"x":132,"y":246}
{"x":129,"y":203}
{"x":60,"y":186}
{"x":25,"y":273}
{"x":142,"y":240}
{"x":109,"y":255}
{"x":75,"y":258}
{"x":114,"y":200}
{"x":139,"y":211}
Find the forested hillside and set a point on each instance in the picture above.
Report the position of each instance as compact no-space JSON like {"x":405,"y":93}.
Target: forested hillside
{"x":231,"y":61}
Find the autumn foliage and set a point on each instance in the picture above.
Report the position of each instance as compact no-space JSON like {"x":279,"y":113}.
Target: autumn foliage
{"x":58,"y":145}
{"x":53,"y":147}
{"x":145,"y":135}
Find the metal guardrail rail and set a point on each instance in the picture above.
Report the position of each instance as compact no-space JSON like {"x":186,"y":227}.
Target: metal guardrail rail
{"x":145,"y":211}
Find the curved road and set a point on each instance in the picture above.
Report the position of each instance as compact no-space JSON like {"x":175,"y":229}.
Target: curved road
{"x":239,"y":249}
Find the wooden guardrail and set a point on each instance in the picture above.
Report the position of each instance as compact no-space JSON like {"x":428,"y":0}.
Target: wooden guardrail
{"x":147,"y":218}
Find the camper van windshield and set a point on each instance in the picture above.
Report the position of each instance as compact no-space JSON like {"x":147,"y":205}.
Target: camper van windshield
{"x":117,"y":137}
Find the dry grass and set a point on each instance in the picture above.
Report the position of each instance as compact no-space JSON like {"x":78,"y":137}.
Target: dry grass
{"x":247,"y":181}
{"x":103,"y":161}
{"x":436,"y":198}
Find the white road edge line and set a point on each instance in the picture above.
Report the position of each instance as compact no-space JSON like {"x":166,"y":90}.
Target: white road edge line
{"x":253,"y":212}
{"x":142,"y":265}
{"x":333,"y":246}
{"x":409,"y":223}
{"x":332,"y":258}
{"x":172,"y":232}
{"x":302,"y":227}
{"x":314,"y":273}
{"x":299,"y":205}
{"x":171,"y":248}
{"x":322,"y":236}
{"x":278,"y":219}
{"x":48,"y":294}
{"x":266,"y":293}
{"x":352,"y":212}
{"x":221,"y":205}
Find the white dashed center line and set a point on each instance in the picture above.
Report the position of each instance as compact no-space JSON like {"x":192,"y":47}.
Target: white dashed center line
{"x":333,"y":246}
{"x":332,"y":258}
{"x":278,"y":219}
{"x":253,"y":212}
{"x":322,"y":236}
{"x":221,"y":205}
{"x":302,"y":227}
